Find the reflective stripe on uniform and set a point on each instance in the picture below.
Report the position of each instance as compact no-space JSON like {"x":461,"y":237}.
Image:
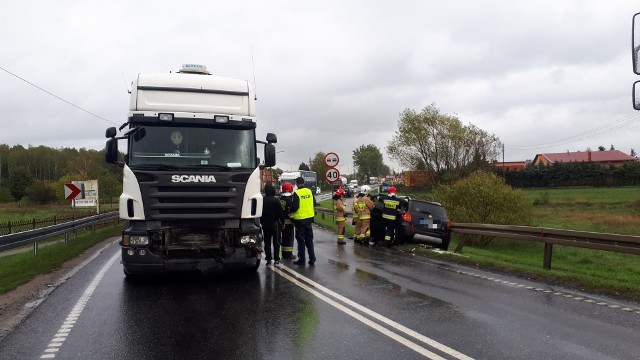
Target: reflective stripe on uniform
{"x":338,"y":219}
{"x":389,"y":217}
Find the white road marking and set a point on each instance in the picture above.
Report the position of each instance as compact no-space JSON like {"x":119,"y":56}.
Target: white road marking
{"x":67,"y":325}
{"x":434,"y":344}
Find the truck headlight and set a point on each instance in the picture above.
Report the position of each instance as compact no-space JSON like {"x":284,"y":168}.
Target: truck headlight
{"x":138,"y":240}
{"x":248,"y":239}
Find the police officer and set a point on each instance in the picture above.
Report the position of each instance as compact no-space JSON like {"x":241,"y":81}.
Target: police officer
{"x":286,"y":223}
{"x":303,"y":212}
{"x":364,"y":206}
{"x":392,"y":207}
{"x":338,"y":209}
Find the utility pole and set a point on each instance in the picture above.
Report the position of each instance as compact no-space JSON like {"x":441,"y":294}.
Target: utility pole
{"x":504,"y":176}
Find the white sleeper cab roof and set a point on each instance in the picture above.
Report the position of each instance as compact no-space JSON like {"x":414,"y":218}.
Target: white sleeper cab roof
{"x":193,"y":90}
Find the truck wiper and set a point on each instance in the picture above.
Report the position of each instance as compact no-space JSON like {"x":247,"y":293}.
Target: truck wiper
{"x":156,"y":167}
{"x":210,"y":166}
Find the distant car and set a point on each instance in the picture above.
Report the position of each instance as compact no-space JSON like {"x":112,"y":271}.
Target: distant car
{"x":347,"y":192}
{"x":423,"y":222}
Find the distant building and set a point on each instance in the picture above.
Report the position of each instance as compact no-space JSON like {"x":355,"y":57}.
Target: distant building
{"x":605,"y":158}
{"x":510,"y":165}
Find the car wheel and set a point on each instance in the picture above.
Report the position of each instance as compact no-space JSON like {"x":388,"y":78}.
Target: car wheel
{"x":445,"y":243}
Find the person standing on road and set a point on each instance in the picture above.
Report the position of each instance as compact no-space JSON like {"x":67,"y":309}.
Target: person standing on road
{"x":270,"y":220}
{"x":286,"y":200}
{"x":303,"y":212}
{"x":338,"y":209}
{"x":356,"y":218}
{"x":364,"y":206}
{"x":392,"y":206}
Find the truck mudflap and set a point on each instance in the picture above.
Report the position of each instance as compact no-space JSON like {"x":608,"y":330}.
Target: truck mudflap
{"x":141,"y":261}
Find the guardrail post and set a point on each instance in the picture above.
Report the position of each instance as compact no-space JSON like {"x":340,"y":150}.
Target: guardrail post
{"x":548,"y":250}
{"x":460,"y":245}
{"x":35,"y":248}
{"x":66,"y":238}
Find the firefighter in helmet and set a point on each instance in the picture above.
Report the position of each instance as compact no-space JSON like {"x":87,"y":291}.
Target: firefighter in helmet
{"x":338,"y":210}
{"x":286,"y":223}
{"x":391,"y":212}
{"x":364,"y":206}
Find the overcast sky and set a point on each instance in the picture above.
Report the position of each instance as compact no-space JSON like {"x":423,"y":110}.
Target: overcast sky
{"x":544,"y":76}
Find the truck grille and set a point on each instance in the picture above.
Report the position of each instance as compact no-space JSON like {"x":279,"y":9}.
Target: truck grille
{"x":174,"y":201}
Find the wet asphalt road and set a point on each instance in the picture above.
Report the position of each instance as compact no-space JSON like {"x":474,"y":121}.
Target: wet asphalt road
{"x":355,"y":303}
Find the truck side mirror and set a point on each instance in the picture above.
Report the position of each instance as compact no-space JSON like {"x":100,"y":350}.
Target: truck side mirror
{"x":636,"y":95}
{"x":635,"y":50}
{"x":272,"y":138}
{"x":269,"y":155}
{"x":111,"y":151}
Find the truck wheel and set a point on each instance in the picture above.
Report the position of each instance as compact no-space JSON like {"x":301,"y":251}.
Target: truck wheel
{"x":256,"y":266}
{"x":130,"y":275}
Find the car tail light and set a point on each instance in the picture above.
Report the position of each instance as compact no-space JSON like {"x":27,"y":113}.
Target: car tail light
{"x":406,"y":216}
{"x":448,"y":227}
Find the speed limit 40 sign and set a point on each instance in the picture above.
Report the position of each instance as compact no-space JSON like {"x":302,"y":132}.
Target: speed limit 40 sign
{"x":332,"y":174}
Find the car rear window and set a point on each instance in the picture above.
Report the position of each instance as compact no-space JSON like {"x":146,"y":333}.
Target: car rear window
{"x":424,"y":207}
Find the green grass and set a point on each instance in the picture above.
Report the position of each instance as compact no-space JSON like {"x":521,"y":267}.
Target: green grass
{"x":19,"y":212}
{"x":20,"y":268}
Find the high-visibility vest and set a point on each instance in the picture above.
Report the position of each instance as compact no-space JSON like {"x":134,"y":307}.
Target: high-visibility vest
{"x":305,"y":210}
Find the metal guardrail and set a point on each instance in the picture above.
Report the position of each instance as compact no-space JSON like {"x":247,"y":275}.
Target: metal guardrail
{"x":629,"y":244}
{"x":33,"y":236}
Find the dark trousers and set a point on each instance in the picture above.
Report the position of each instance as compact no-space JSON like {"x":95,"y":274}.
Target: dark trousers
{"x":304,"y":237}
{"x":287,"y":236}
{"x":389,"y":232}
{"x":271,"y":237}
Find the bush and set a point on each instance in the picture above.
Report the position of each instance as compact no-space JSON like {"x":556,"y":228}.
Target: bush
{"x":484,"y":198}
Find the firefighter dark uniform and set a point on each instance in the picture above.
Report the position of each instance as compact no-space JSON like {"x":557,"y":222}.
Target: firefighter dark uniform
{"x":392,"y":207}
{"x":286,"y":222}
{"x":364,"y":206}
{"x":338,"y":210}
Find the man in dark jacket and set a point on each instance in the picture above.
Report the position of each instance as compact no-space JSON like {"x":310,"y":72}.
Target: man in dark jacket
{"x":271,"y":214}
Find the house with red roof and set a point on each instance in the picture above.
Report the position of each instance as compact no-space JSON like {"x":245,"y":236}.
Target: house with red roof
{"x":510,"y":165}
{"x":605,"y":158}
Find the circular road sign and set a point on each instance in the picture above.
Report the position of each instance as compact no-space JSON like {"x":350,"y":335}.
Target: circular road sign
{"x":331,"y":159}
{"x":332,"y":175}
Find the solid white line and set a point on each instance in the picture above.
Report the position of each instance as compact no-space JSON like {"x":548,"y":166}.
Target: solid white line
{"x":408,"y":343}
{"x":436,"y":345}
{"x":66,"y":326}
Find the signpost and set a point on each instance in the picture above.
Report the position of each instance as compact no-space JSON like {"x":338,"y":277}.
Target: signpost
{"x":331,"y":159}
{"x":332,"y":175}
{"x":71,"y":191}
{"x":83,"y":194}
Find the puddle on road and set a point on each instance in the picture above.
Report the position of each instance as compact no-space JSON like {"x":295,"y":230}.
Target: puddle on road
{"x":378,"y":282}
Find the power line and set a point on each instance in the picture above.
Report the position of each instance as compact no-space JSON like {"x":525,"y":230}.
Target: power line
{"x":600,"y":130}
{"x":56,"y":96}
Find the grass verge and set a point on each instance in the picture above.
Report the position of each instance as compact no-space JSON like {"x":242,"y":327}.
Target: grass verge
{"x":595,"y":271}
{"x":20,"y":268}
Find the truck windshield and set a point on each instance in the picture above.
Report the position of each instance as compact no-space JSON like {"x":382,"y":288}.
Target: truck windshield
{"x":185,"y":147}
